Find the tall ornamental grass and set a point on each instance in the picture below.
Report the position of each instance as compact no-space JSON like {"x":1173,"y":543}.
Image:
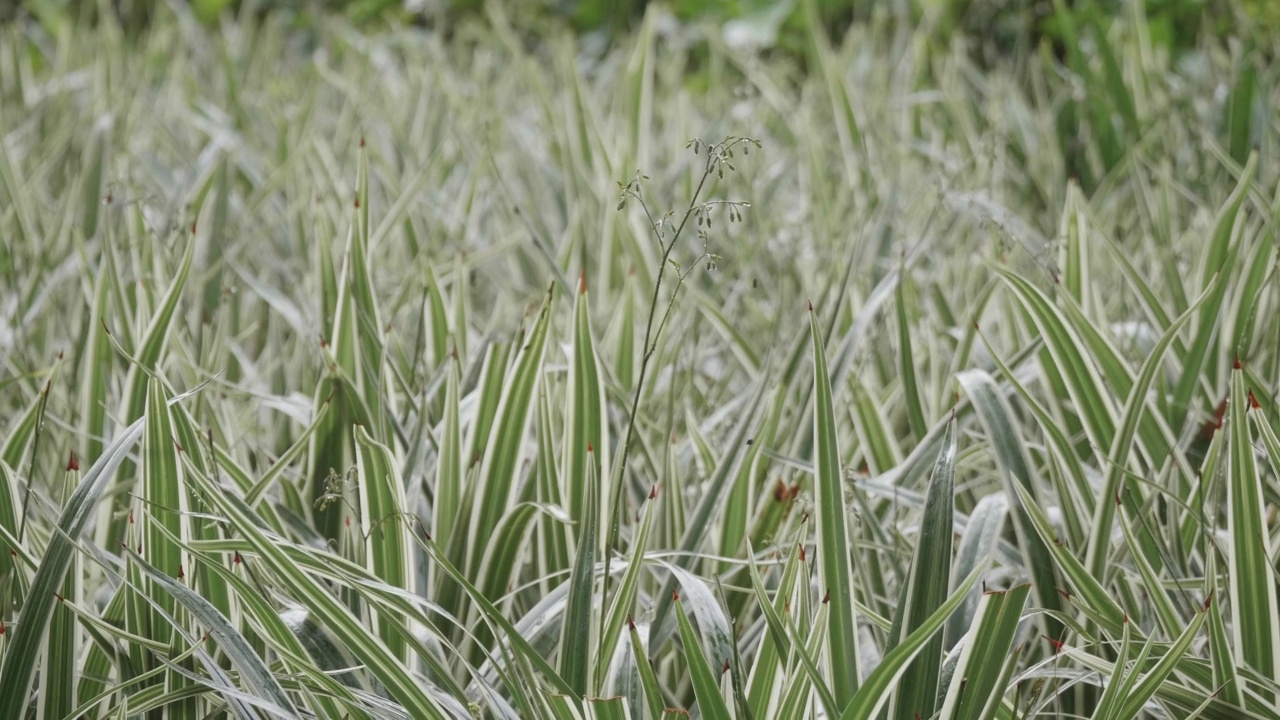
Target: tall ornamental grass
{"x":397,"y":375}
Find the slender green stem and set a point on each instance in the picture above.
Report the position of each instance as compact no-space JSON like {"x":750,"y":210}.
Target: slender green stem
{"x":616,"y":496}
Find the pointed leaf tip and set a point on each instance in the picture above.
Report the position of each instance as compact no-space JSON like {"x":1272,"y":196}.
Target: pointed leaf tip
{"x":675,"y":596}
{"x":72,"y":462}
{"x":1236,"y":364}
{"x":582,"y":282}
{"x":810,"y":304}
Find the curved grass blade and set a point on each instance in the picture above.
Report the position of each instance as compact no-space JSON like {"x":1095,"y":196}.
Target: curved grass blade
{"x":648,"y":679}
{"x":874,"y":693}
{"x":1220,"y":254}
{"x":56,"y":696}
{"x":491,"y":613}
{"x":252,"y":670}
{"x":22,"y":656}
{"x":926,"y":587}
{"x":1256,"y":622}
{"x":586,"y":435}
{"x":328,"y":609}
{"x":836,"y":574}
{"x":576,"y":641}
{"x":995,"y":414}
{"x":503,"y":451}
{"x":982,"y":672}
{"x":624,"y":599}
{"x":706,"y":688}
{"x":1098,"y":603}
{"x":1119,"y":449}
{"x":387,"y":550}
{"x":978,"y":543}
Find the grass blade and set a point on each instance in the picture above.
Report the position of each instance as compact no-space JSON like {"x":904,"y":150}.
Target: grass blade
{"x":835,"y":574}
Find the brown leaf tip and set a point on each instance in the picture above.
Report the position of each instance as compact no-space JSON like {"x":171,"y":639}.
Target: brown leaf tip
{"x":725,"y":669}
{"x":810,"y":303}
{"x":361,"y":141}
{"x":827,"y":597}
{"x":653,"y":492}
{"x":582,"y":282}
{"x":675,"y":596}
{"x":631,"y":624}
{"x":590,"y":447}
{"x":72,"y":462}
{"x":801,"y":553}
{"x":1235,"y":365}
{"x":1253,"y":401}
{"x":1208,"y":601}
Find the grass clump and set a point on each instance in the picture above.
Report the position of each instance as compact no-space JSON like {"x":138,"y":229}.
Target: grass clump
{"x":350,"y":382}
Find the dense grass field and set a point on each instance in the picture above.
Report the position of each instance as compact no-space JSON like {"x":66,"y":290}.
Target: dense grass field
{"x":384,"y":374}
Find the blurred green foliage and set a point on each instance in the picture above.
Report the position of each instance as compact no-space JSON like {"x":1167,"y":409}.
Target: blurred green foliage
{"x":994,"y":27}
{"x":1094,"y":130}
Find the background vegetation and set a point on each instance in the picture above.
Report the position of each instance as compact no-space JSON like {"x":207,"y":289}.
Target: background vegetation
{"x":362,"y":372}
